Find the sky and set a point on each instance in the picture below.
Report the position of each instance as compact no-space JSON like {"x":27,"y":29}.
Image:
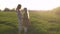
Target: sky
{"x":30,"y":4}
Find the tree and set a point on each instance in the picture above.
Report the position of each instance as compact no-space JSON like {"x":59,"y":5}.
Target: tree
{"x":0,"y":9}
{"x":6,"y":9}
{"x":58,"y":11}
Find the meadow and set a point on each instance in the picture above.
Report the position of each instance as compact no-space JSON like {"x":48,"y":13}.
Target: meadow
{"x":42,"y":22}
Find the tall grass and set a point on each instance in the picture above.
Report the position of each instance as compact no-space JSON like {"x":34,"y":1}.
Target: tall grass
{"x":41,"y":23}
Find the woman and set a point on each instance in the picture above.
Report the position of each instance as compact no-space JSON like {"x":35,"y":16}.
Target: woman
{"x":18,"y":11}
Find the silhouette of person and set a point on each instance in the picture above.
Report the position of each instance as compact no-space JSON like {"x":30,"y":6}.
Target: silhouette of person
{"x":19,"y":15}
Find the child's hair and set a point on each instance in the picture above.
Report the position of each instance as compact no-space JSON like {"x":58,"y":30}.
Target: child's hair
{"x":19,"y":6}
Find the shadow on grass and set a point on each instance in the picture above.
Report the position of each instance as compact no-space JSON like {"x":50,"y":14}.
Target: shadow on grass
{"x":11,"y":30}
{"x":7,"y":23}
{"x":33,"y":29}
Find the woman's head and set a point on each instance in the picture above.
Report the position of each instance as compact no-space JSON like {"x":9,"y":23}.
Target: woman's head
{"x":19,"y":6}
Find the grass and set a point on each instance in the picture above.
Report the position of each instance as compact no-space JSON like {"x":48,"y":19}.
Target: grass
{"x":41,"y":23}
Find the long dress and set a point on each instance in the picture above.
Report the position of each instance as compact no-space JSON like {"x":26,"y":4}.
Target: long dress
{"x":19,"y":19}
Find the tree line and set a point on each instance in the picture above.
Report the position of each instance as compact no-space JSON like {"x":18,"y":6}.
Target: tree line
{"x":8,"y":10}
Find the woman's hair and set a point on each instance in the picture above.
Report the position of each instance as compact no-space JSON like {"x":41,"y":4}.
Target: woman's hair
{"x":19,"y":6}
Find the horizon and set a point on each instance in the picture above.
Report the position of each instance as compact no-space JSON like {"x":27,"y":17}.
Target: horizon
{"x":30,"y":4}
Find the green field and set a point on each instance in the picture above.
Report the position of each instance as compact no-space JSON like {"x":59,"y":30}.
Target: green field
{"x":41,"y":23}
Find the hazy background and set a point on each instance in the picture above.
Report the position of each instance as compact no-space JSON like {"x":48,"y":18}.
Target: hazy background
{"x":30,"y":4}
